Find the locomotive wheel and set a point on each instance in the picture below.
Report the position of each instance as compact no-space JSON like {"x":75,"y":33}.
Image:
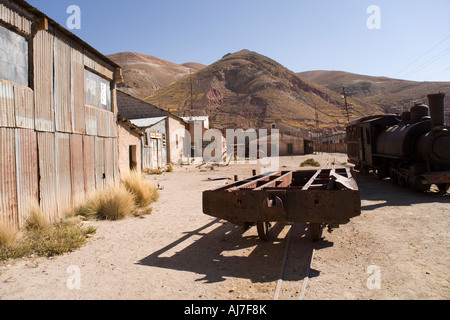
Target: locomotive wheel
{"x":263,"y":230}
{"x":315,"y":230}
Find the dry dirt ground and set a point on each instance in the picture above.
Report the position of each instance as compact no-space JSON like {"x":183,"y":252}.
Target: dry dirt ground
{"x":398,"y":248}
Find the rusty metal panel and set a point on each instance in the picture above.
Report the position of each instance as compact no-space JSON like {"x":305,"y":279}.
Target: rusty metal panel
{"x":47,"y":175}
{"x":13,"y":14}
{"x":109,"y":161}
{"x":8,"y":183}
{"x":116,"y":160}
{"x":62,"y":86}
{"x":91,"y":120}
{"x":43,"y":81}
{"x":7,"y":105}
{"x":78,"y":109}
{"x":89,"y":164}
{"x":27,"y":171}
{"x":77,"y":168}
{"x":147,"y":158}
{"x":102,"y":123}
{"x":63,"y":172}
{"x":100,"y":174}
{"x":24,"y":107}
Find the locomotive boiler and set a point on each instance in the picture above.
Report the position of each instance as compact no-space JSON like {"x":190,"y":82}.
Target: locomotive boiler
{"x":412,"y":149}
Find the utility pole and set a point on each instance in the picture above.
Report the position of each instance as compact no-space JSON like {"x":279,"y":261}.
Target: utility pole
{"x":346,"y":105}
{"x":318,"y":136}
{"x":190,"y":109}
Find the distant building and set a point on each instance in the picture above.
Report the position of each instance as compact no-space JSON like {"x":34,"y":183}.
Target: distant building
{"x":129,"y":146}
{"x":58,"y":111}
{"x":165,"y":133}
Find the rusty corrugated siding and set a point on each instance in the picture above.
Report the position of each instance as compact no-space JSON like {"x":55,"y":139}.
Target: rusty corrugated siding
{"x":62,"y":86}
{"x":18,"y":18}
{"x":109,"y":161}
{"x":24,"y":107}
{"x":47,"y":173}
{"x":91,"y":120}
{"x":8,"y":183}
{"x":27,"y":171}
{"x":7,"y":105}
{"x":100,"y":174}
{"x":58,"y":150}
{"x":43,"y":81}
{"x":103,"y":123}
{"x":79,"y":112}
{"x":89,"y":164}
{"x":77,"y":169}
{"x":63,"y":172}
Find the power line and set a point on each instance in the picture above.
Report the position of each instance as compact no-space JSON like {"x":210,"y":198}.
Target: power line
{"x":428,"y":62}
{"x":422,"y":55}
{"x":438,"y":74}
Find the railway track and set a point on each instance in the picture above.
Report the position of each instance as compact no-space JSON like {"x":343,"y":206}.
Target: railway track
{"x":296,"y":268}
{"x":303,"y":200}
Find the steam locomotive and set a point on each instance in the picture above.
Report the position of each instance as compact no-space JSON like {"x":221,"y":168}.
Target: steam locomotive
{"x":412,"y":149}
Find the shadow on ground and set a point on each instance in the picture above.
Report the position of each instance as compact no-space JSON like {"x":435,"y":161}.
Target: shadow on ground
{"x":386,"y":193}
{"x":227,"y":252}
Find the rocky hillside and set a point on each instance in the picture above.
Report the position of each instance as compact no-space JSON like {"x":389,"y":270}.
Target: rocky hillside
{"x":392,"y":95}
{"x":248,"y":90}
{"x":144,"y":75}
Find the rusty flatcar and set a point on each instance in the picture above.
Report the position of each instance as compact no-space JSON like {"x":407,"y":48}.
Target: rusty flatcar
{"x":318,"y":197}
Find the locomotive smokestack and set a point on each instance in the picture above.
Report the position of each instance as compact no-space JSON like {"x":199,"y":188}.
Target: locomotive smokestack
{"x":437,"y":109}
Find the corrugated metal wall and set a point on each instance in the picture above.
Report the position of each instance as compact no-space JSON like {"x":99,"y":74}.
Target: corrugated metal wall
{"x":27,"y":171}
{"x":8,"y":182}
{"x":53,"y":148}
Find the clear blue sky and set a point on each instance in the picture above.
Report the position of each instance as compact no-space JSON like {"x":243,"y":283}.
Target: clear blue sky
{"x":413,"y":42}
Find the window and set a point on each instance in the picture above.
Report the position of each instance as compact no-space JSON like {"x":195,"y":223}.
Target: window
{"x":13,"y":57}
{"x":97,"y":91}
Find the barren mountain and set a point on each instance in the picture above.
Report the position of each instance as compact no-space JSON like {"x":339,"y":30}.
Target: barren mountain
{"x":392,"y":95}
{"x":144,"y":75}
{"x":248,"y":90}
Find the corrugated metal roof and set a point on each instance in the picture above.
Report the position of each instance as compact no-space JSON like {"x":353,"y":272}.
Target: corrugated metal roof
{"x":148,"y":122}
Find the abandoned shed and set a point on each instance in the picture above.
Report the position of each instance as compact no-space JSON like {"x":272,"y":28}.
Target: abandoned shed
{"x":168,"y":128}
{"x":58,"y":130}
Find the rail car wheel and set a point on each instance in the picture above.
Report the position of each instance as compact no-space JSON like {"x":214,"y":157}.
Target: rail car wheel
{"x":315,"y":230}
{"x":263,"y":230}
{"x":443,"y":187}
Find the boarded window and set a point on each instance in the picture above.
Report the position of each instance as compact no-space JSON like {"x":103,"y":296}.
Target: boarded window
{"x":13,"y":57}
{"x":97,"y":91}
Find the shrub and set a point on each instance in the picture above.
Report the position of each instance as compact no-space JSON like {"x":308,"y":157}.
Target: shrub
{"x":144,"y":192}
{"x":7,"y":236}
{"x":42,"y":238}
{"x":310,"y":163}
{"x":114,"y":203}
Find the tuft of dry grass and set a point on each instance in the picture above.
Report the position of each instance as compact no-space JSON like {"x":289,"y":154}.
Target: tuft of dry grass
{"x":114,"y":203}
{"x":42,"y":238}
{"x":137,"y":184}
{"x":132,"y":197}
{"x":36,"y":220}
{"x":310,"y":163}
{"x":7,"y":236}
